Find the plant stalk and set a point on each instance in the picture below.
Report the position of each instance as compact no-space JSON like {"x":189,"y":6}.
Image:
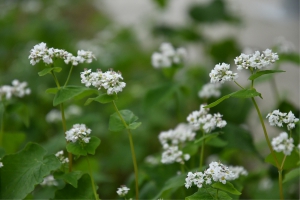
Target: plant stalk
{"x":92,"y":179}
{"x":280,"y":184}
{"x":132,"y":152}
{"x":69,"y":75}
{"x":2,"y":125}
{"x":202,"y":152}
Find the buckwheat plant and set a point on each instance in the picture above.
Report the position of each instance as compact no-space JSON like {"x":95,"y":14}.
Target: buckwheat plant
{"x":41,"y":53}
{"x":257,"y":63}
{"x":112,"y":83}
{"x":204,"y":122}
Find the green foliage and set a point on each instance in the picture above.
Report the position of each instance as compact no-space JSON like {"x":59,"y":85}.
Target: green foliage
{"x":244,"y":93}
{"x":117,"y":124}
{"x":83,"y":191}
{"x":102,"y":98}
{"x":291,"y":161}
{"x":209,"y":193}
{"x":82,"y":149}
{"x":23,"y":170}
{"x":292,"y":175}
{"x":48,"y":70}
{"x":70,"y":177}
{"x":66,"y":93}
{"x":228,"y":187}
{"x":12,"y":141}
{"x":264,"y":72}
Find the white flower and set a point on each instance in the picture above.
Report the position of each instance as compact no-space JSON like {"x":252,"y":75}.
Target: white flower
{"x":60,"y":156}
{"x":122,"y":191}
{"x":152,"y":160}
{"x":110,"y":80}
{"x":203,"y":120}
{"x":78,"y":132}
{"x":238,"y":170}
{"x":221,"y":73}
{"x":42,"y":52}
{"x":216,"y":172}
{"x":256,"y":60}
{"x":1,"y":164}
{"x":210,"y":90}
{"x":173,"y":154}
{"x":277,"y":118}
{"x":18,"y":89}
{"x":168,"y":56}
{"x":49,"y":181}
{"x":283,"y":143}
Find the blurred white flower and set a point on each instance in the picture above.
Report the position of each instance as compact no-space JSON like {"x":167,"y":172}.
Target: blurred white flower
{"x":168,"y":56}
{"x":49,"y":181}
{"x":283,"y":143}
{"x":210,"y":90}
{"x":17,"y":89}
{"x":60,"y":156}
{"x":122,"y":191}
{"x":277,"y":118}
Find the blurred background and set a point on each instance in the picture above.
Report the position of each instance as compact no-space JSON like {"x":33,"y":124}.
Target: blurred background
{"x":123,"y":34}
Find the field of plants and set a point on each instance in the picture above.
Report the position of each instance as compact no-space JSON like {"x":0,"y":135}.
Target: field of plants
{"x":89,"y":111}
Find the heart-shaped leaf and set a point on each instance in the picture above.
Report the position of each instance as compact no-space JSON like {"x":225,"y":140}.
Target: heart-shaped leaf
{"x":48,"y":70}
{"x":102,"y":98}
{"x":260,"y":73}
{"x":67,"y":93}
{"x":228,"y":187}
{"x":117,"y":124}
{"x":82,"y":149}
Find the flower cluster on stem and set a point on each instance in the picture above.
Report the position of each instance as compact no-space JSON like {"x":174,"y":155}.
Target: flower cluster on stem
{"x":79,"y":132}
{"x":109,"y":80}
{"x":201,"y":119}
{"x":17,"y":89}
{"x":168,"y":56}
{"x":172,"y":142}
{"x":283,"y":143}
{"x":122,"y":191}
{"x":257,"y":60}
{"x":60,"y":156}
{"x":41,"y":52}
{"x":277,"y":118}
{"x":221,"y":74}
{"x":216,"y":172}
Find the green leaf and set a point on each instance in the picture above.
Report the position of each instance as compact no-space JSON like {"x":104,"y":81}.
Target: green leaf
{"x":207,"y":137}
{"x":48,"y":70}
{"x":228,"y":187}
{"x":172,"y":183}
{"x":83,"y":191}
{"x":67,"y":93}
{"x":23,"y":170}
{"x":244,"y":93}
{"x":13,"y":141}
{"x":208,"y":194}
{"x":102,"y":98}
{"x":216,"y":142}
{"x":290,"y":57}
{"x":292,"y":175}
{"x":290,"y":161}
{"x":260,"y":73}
{"x":52,"y":90}
{"x":70,"y":177}
{"x":82,"y":149}
{"x":116,"y":124}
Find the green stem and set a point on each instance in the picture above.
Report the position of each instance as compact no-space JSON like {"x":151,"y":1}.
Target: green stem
{"x":202,"y":152}
{"x":132,"y":152}
{"x":2,"y":125}
{"x":69,"y":75}
{"x":280,"y":184}
{"x":265,"y":132}
{"x":182,"y":168}
{"x":55,"y":79}
{"x":92,"y":179}
{"x":238,"y":85}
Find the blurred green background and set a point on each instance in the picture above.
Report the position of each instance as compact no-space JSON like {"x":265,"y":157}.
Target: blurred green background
{"x":123,"y":35}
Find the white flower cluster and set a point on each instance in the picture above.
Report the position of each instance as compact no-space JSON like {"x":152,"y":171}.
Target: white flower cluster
{"x":277,"y":118}
{"x":78,"y":132}
{"x":152,"y":160}
{"x":41,"y":52}
{"x":167,"y":56}
{"x":221,"y":73}
{"x":49,"y":181}
{"x":109,"y":80}
{"x":283,"y":143}
{"x":17,"y":89}
{"x":216,"y":172}
{"x":122,"y":191}
{"x":238,"y":170}
{"x":55,"y":115}
{"x":201,"y":119}
{"x":210,"y":90}
{"x":60,"y":156}
{"x":172,"y":139}
{"x":256,"y":60}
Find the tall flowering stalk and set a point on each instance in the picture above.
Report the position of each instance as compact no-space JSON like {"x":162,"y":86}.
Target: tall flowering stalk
{"x":256,"y":63}
{"x":111,"y":81}
{"x":41,"y":53}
